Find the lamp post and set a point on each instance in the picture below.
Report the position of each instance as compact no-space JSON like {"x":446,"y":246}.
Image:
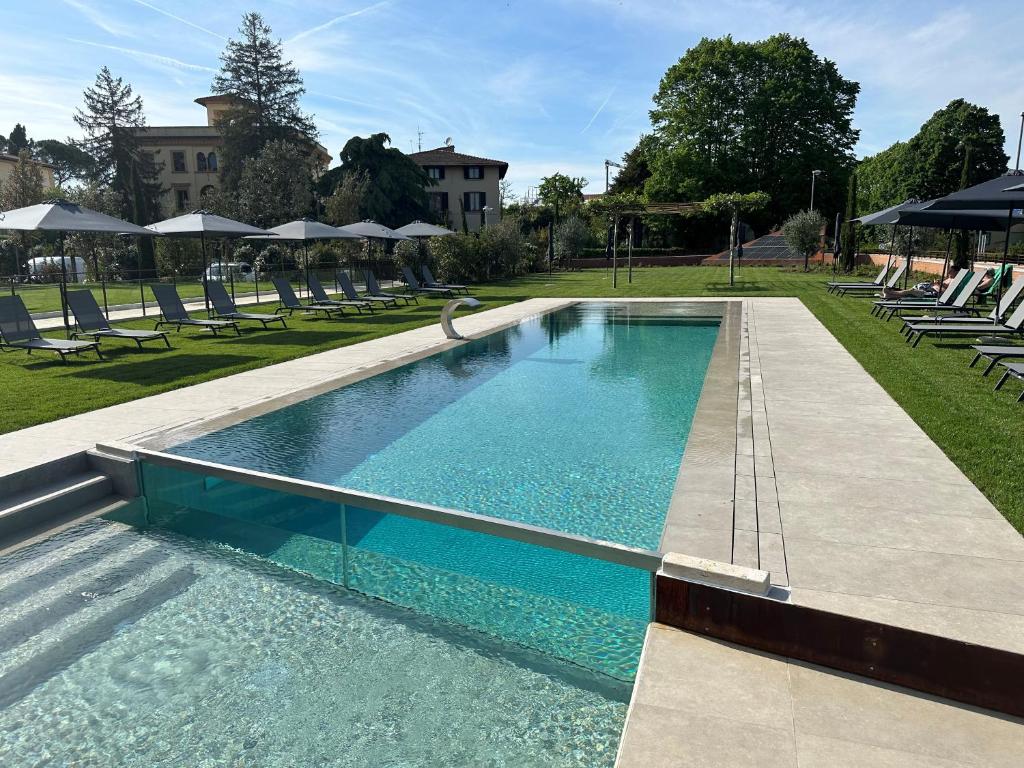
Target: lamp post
{"x":814,"y":178}
{"x":608,"y":242}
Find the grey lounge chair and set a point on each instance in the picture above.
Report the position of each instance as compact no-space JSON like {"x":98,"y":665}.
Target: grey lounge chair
{"x":415,"y":287}
{"x":893,"y":280}
{"x":17,"y":331}
{"x":961,"y":292}
{"x":1012,"y":369}
{"x":1013,"y":326}
{"x":430,"y":282}
{"x":352,"y":295}
{"x":174,"y":312}
{"x":91,"y":322}
{"x":316,"y":290}
{"x":876,"y":283}
{"x":373,"y":289}
{"x":995,"y":355}
{"x":1008,"y":300}
{"x":290,"y":302}
{"x":951,"y":296}
{"x":225,"y":309}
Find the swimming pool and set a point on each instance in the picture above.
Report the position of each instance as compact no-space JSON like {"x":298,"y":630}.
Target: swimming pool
{"x":576,"y":421}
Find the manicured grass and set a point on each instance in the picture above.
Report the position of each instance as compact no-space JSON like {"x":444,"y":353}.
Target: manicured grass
{"x":45,"y":297}
{"x":978,"y":429}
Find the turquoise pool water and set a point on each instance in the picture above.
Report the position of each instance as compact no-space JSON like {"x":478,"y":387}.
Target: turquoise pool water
{"x":146,"y":649}
{"x":575,"y":421}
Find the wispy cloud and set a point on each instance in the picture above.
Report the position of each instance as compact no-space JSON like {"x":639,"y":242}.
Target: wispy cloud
{"x":98,"y":18}
{"x":167,"y":61}
{"x":186,"y":22}
{"x":335,"y":20}
{"x":600,"y":109}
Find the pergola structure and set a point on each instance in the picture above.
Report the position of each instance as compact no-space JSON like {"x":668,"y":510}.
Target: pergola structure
{"x":649,"y":209}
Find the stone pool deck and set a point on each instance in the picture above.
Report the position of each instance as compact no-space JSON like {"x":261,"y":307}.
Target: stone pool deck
{"x":814,"y":474}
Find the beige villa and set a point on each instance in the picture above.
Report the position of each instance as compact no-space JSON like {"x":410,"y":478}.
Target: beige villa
{"x":190,"y":156}
{"x":463,"y":184}
{"x":8,"y":163}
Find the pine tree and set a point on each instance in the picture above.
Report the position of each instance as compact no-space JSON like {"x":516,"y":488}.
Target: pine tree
{"x":960,"y":257}
{"x":266,"y":89}
{"x":849,"y":228}
{"x":110,"y":120}
{"x":18,"y":140}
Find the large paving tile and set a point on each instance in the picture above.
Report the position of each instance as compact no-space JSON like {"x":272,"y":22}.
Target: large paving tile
{"x":843,"y":707}
{"x":904,"y":529}
{"x":821,"y":752}
{"x":900,"y":574}
{"x":709,"y":543}
{"x":656,"y":737}
{"x":707,"y":678}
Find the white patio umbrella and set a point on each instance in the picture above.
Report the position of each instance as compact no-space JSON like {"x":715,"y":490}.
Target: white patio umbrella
{"x":60,"y":216}
{"x":305,"y":230}
{"x":203,"y":224}
{"x":372,"y":230}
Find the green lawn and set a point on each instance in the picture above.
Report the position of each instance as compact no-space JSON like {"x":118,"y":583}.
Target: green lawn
{"x":46,"y":297}
{"x":980,"y":431}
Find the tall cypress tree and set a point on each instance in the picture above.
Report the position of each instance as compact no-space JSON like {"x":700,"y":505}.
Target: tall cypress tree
{"x":960,"y":258}
{"x":266,"y":89}
{"x":849,"y":228}
{"x":110,"y":119}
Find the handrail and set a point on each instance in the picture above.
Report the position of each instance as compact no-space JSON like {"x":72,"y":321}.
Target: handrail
{"x":633,"y":557}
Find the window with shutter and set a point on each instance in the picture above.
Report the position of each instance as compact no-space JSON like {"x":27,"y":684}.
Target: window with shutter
{"x":472,"y":172}
{"x":444,"y":201}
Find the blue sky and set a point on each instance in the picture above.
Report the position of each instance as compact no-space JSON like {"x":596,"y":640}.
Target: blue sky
{"x":546,"y":86}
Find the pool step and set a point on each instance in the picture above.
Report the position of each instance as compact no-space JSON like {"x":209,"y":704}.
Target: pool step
{"x":48,"y":508}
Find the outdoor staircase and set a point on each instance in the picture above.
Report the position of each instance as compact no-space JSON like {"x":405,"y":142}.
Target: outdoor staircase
{"x":50,"y":497}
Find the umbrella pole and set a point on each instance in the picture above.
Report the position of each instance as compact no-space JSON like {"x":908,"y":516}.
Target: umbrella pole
{"x":206,"y":269}
{"x":64,"y":285}
{"x":1006,"y":255}
{"x":305,"y":256}
{"x":231,"y":272}
{"x":910,"y":258}
{"x":945,"y":262}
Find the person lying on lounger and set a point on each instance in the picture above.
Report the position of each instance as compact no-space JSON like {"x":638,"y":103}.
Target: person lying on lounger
{"x":922,"y":290}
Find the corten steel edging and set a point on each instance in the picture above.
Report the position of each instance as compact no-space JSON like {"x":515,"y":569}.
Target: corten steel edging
{"x":972,"y":674}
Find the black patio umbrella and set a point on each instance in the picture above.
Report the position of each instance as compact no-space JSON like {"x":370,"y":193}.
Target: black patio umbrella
{"x":891,"y":216}
{"x":203,"y":224}
{"x":304,"y":230}
{"x":1004,"y":193}
{"x":60,"y":216}
{"x":977,"y":220}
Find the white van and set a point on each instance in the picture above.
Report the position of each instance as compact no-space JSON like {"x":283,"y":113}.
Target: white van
{"x":48,"y":267}
{"x":240,"y":271}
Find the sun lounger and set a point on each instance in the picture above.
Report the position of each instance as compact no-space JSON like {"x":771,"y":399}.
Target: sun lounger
{"x":1013,"y":326}
{"x":876,"y":283}
{"x":352,"y":295}
{"x":373,"y":289}
{"x":995,"y":355}
{"x":174,"y":312}
{"x":1012,"y":369}
{"x":430,"y":282}
{"x":225,"y":309}
{"x":1008,"y":300}
{"x":894,"y":279}
{"x":954,"y":296}
{"x":91,"y":322}
{"x":17,"y":331}
{"x":415,"y":287}
{"x":316,"y":290}
{"x":290,"y":302}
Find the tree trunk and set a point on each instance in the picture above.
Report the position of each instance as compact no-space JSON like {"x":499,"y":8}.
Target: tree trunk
{"x":733,"y":235}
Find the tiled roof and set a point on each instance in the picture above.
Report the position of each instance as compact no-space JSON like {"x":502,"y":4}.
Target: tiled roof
{"x":448,"y":156}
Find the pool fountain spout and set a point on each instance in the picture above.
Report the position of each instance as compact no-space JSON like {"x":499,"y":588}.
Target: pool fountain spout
{"x":449,"y":309}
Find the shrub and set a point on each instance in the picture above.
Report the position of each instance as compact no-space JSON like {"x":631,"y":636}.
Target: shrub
{"x":802,"y":232}
{"x":572,"y":236}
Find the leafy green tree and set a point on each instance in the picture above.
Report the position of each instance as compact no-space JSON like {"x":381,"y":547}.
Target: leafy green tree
{"x":266,"y":89}
{"x":110,"y":119}
{"x":802,"y":232}
{"x":636,"y":167}
{"x":563,"y":193}
{"x":103,"y":254}
{"x":396,"y":193}
{"x":572,"y":235}
{"x":276,"y":186}
{"x":345,"y":205}
{"x":882,"y":179}
{"x":25,"y":184}
{"x":18,"y":140}
{"x":70,"y":163}
{"x":738,"y":116}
